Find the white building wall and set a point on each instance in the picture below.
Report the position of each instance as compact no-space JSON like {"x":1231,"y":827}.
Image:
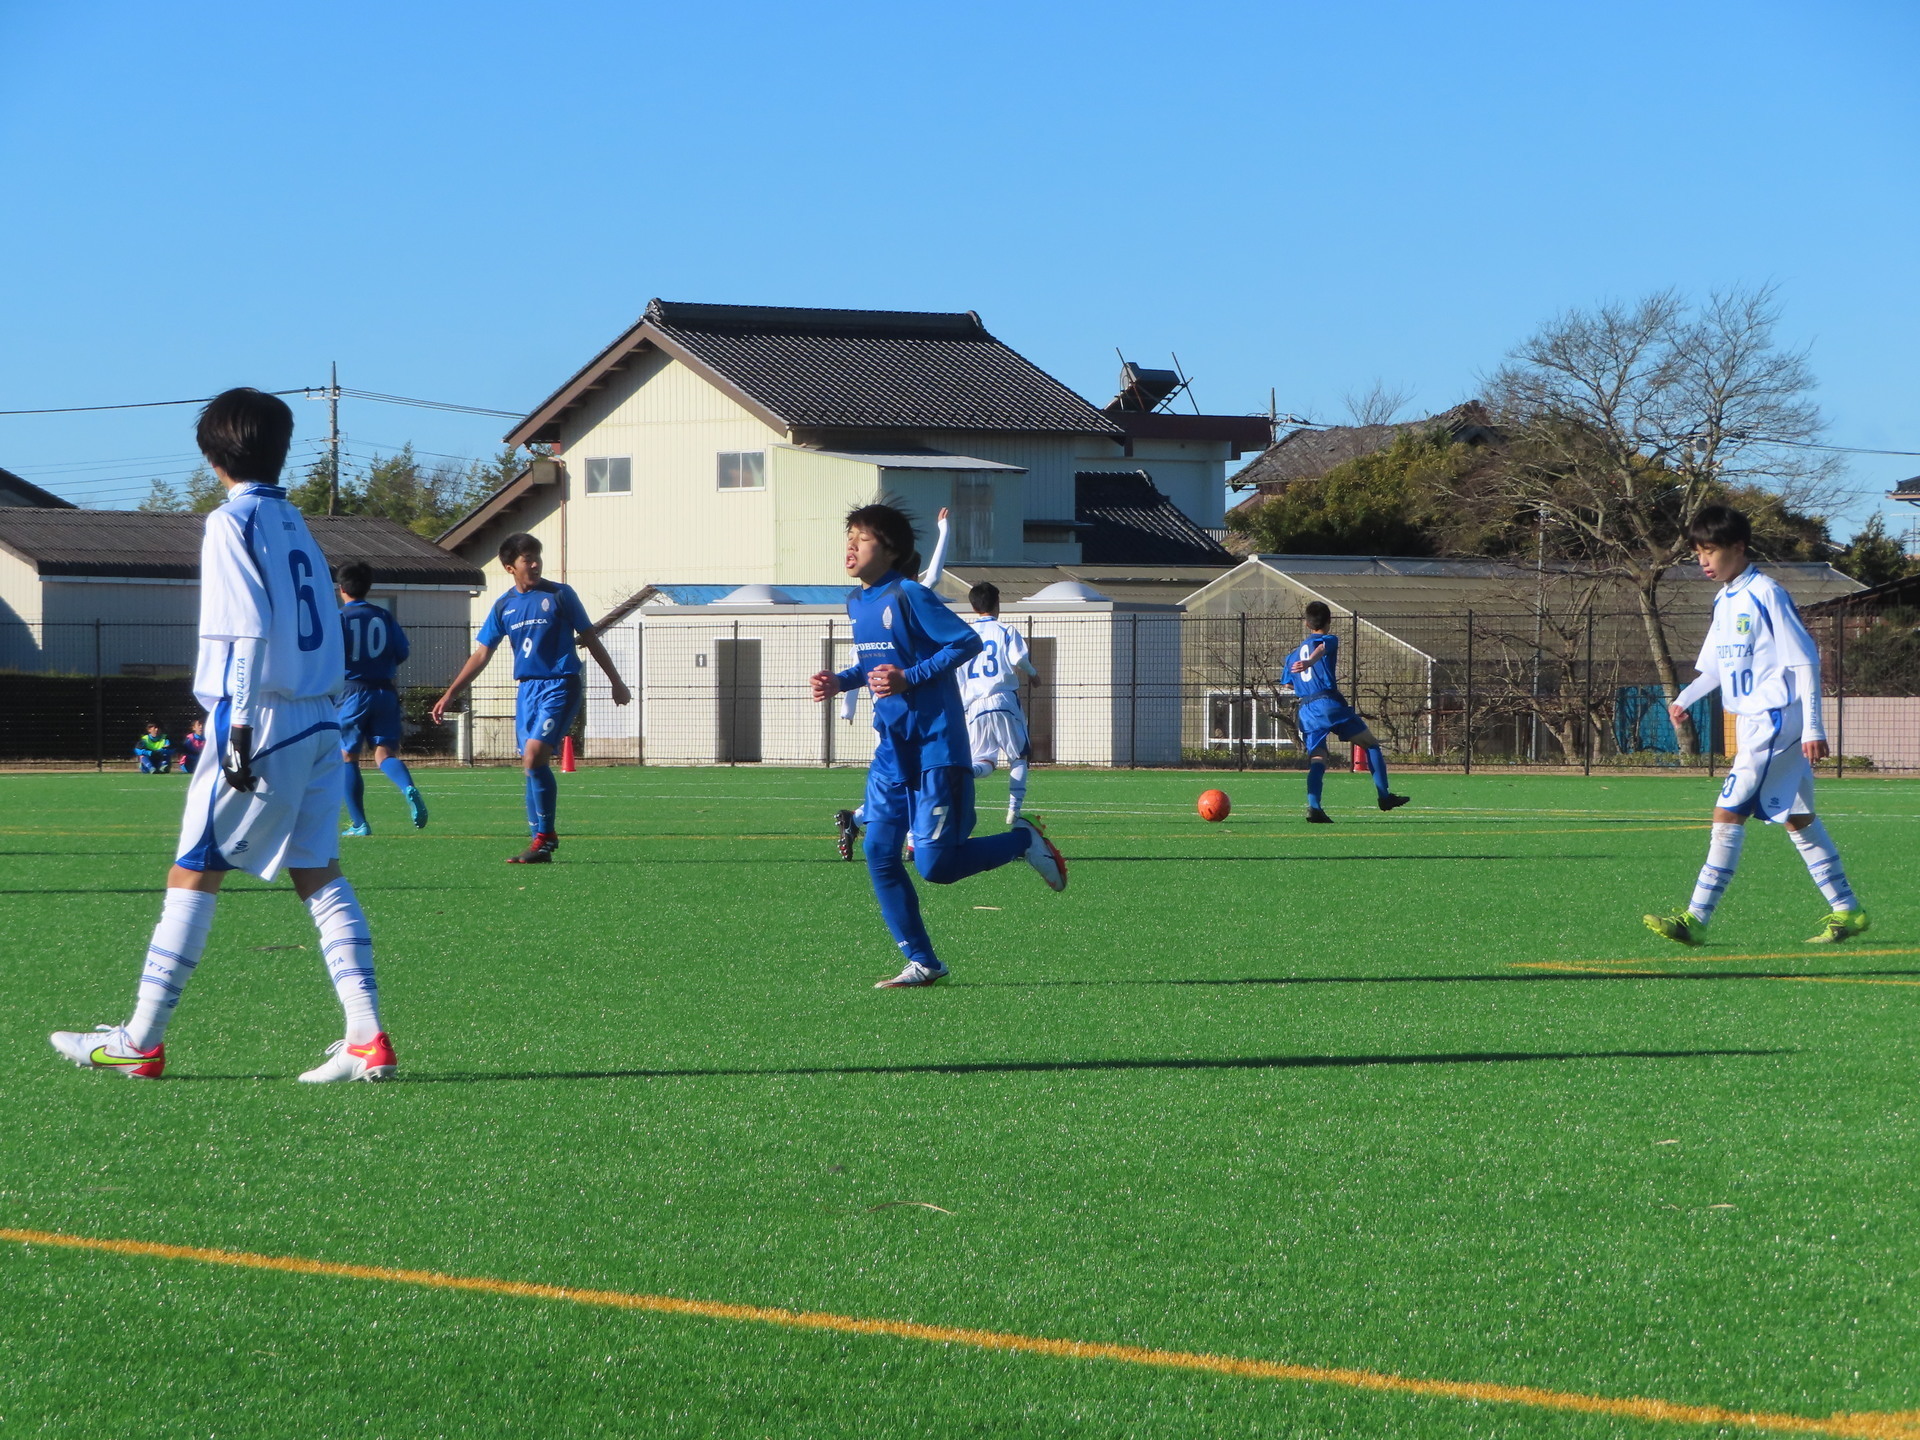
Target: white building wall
{"x":676,"y":525}
{"x":1105,"y":711}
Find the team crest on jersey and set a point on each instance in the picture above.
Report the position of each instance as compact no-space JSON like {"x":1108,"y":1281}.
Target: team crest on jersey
{"x":545,"y":605}
{"x":1742,"y":624}
{"x":886,"y":618}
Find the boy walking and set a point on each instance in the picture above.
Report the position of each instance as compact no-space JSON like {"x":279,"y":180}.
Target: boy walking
{"x":544,"y":622}
{"x":269,"y":665}
{"x":1767,"y":669}
{"x":990,"y":689}
{"x":370,"y":709}
{"x":907,"y":645}
{"x":1324,"y":711}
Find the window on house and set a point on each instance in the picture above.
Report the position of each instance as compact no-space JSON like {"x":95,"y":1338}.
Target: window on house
{"x":972,"y":532}
{"x":743,"y":469}
{"x":610,"y":476}
{"x":1244,"y":718}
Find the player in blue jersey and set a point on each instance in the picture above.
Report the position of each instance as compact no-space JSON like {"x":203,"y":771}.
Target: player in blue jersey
{"x":907,"y":646}
{"x":1324,"y":711}
{"x":370,"y":708}
{"x":543,"y":622}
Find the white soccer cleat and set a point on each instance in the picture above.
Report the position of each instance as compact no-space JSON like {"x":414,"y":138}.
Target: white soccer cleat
{"x":1042,"y":854}
{"x":915,"y":974}
{"x":107,"y":1047}
{"x":1013,"y":814}
{"x":371,"y":1061}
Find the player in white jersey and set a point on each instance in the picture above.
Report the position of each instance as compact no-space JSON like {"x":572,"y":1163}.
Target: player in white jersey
{"x":1767,"y":669}
{"x":269,"y":669}
{"x":990,"y":689}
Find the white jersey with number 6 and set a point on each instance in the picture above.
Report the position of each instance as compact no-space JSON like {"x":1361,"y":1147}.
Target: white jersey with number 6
{"x":263,"y":578}
{"x":991,"y":680}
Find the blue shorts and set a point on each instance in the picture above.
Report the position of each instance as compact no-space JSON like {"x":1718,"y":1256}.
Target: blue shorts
{"x":1321,"y":718}
{"x":546,"y":708}
{"x":938,"y":811}
{"x":369,"y":717}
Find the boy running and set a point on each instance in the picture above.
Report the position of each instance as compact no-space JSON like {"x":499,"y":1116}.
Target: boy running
{"x":269,"y":665}
{"x":370,"y":709}
{"x":847,"y":823}
{"x":990,"y":689}
{"x":1767,"y":669}
{"x":543,"y":622}
{"x":907,"y":645}
{"x":1324,"y":711}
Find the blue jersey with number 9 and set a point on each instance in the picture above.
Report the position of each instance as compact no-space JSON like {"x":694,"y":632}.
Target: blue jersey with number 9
{"x":543,"y":625}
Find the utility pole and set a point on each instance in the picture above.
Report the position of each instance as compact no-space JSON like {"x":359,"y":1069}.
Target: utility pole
{"x":333,"y":439}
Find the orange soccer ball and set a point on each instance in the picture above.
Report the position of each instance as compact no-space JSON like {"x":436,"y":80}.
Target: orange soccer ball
{"x":1214,"y":805}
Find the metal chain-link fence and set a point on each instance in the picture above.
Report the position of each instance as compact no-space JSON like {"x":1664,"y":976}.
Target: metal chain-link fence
{"x":1115,"y":687}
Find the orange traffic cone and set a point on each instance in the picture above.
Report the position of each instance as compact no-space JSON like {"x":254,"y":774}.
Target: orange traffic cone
{"x":566,"y":756}
{"x":1359,"y":759}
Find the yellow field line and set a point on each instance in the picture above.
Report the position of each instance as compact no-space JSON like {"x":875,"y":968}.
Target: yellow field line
{"x":1868,"y":1426}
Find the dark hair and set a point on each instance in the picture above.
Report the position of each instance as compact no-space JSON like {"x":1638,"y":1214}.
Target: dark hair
{"x":985,"y":597}
{"x":246,"y":433}
{"x":514,"y":546}
{"x":355,"y":577}
{"x":893,"y":528}
{"x":1720,"y":525}
{"x":153,"y":724}
{"x":1318,"y":615}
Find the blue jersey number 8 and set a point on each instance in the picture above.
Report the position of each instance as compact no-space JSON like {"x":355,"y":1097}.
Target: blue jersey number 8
{"x":307,"y":603}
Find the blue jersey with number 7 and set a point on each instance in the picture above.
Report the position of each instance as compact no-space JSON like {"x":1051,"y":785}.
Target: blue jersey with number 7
{"x":543,"y":625}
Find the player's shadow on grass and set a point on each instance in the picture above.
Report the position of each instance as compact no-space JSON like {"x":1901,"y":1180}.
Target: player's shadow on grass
{"x":1309,"y":859}
{"x":1532,"y":979}
{"x":1022,"y":1067}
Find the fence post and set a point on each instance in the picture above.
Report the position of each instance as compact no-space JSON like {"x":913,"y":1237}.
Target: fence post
{"x":1133,"y":692}
{"x":831,"y":705}
{"x":1467,"y":712}
{"x":1240,"y":741}
{"x":1586,"y":749}
{"x":99,"y":705}
{"x":733,"y":702}
{"x":1840,"y":694}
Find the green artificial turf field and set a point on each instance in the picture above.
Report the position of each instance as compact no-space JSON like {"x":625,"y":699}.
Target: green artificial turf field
{"x":1412,"y":1094}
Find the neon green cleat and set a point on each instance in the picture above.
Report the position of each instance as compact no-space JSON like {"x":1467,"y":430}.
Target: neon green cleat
{"x":1686,"y":927}
{"x":1840,"y":925}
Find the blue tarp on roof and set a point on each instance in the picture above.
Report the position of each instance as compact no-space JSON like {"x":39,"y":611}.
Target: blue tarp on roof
{"x":707,"y":594}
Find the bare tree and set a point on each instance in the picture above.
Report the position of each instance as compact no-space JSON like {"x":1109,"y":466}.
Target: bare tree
{"x":1625,"y":420}
{"x":1378,"y":404}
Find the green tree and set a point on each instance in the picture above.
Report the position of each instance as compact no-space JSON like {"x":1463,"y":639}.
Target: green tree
{"x":1886,"y":659}
{"x":1874,"y":557}
{"x":425,"y":498}
{"x":162,"y":499}
{"x":204,"y":491}
{"x":1387,"y":503}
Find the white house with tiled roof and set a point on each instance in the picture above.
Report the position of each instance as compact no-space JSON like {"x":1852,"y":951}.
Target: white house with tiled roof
{"x":723,"y":444}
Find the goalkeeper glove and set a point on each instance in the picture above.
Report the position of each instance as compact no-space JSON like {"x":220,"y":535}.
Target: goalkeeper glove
{"x":237,"y":763}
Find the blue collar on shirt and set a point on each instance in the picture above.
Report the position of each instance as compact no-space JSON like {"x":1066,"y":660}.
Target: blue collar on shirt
{"x":260,"y":488}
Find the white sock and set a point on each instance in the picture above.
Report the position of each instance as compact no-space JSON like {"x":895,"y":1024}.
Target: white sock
{"x":185,"y":918}
{"x":1016,"y":785}
{"x":347,"y":945}
{"x":1723,"y":858}
{"x":1823,"y":864}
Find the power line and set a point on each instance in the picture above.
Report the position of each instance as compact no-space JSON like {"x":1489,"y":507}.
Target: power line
{"x":316,"y":391}
{"x":429,"y":404}
{"x":135,"y":405}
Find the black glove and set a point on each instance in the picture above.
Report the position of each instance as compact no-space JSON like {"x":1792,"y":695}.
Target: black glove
{"x":237,"y":763}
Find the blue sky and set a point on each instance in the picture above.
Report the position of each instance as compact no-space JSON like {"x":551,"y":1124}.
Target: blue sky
{"x":464,"y":202}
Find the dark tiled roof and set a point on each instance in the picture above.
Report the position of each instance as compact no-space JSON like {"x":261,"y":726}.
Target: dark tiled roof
{"x":1907,"y":489}
{"x":1309,"y":454}
{"x":15,"y":491}
{"x":847,"y":370}
{"x":1129,"y":522}
{"x":137,"y":545}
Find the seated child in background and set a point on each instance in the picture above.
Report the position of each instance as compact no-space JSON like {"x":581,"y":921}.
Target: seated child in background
{"x":154,"y":751}
{"x":191,"y":744}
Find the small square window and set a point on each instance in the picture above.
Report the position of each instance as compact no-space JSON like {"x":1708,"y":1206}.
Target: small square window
{"x":743,"y":469}
{"x":610,"y":476}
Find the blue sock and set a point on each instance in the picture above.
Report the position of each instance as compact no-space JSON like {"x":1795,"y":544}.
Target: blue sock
{"x":395,"y":769}
{"x":1377,"y":762}
{"x":899,"y":905}
{"x":543,"y":791}
{"x":1316,"y":776}
{"x":944,"y":864}
{"x":356,"y":794}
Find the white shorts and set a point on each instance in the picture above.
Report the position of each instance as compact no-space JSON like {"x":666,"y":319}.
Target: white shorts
{"x":997,"y":735}
{"x":1770,"y":777}
{"x":291,"y":818}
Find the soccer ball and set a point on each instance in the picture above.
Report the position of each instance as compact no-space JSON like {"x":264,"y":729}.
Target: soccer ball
{"x":1214,"y":805}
